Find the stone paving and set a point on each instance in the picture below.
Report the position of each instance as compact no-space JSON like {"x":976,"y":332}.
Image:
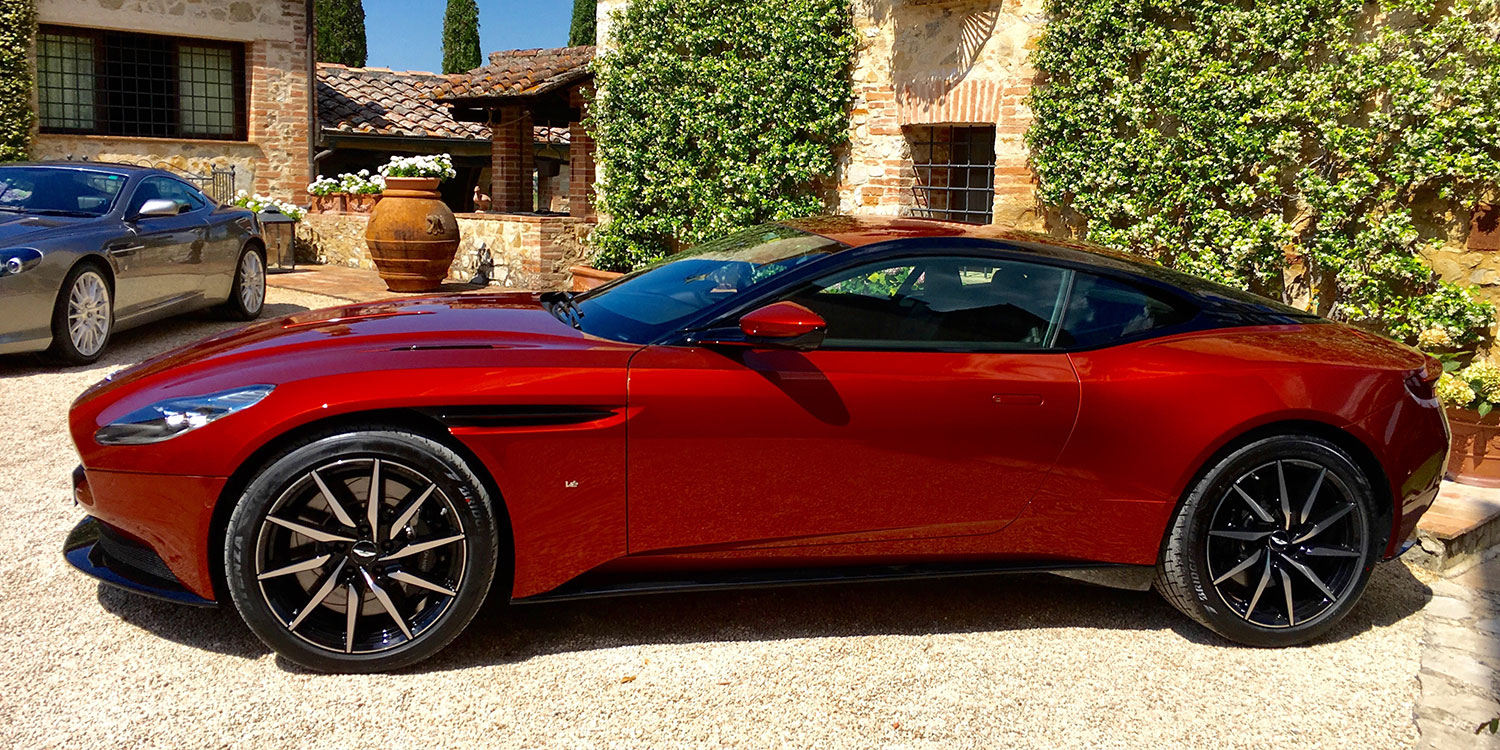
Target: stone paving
{"x":1460,"y":673}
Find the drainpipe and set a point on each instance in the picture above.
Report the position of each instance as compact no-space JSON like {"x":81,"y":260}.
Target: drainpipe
{"x":313,"y":135}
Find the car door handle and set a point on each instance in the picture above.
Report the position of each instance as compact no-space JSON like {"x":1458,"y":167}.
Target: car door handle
{"x":1018,"y":399}
{"x":118,"y":250}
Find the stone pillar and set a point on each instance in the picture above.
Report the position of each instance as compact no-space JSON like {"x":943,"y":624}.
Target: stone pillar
{"x":580,"y":163}
{"x":511,"y":160}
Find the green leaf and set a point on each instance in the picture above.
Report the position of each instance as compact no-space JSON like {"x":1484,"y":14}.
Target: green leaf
{"x":1484,"y":408}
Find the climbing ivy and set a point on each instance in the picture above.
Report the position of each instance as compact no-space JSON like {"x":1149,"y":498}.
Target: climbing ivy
{"x":1225,"y":137}
{"x":17,"y":28}
{"x":715,"y":115}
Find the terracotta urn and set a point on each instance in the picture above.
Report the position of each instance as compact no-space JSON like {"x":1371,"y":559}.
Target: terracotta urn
{"x":362,"y":203}
{"x":586,"y":278}
{"x":412,"y":235}
{"x":1474,"y":456}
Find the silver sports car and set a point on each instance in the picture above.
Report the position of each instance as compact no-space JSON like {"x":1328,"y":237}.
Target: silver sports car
{"x":87,"y":249}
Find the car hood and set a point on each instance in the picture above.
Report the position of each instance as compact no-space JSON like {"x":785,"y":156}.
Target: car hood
{"x":19,"y":228}
{"x":365,"y":337}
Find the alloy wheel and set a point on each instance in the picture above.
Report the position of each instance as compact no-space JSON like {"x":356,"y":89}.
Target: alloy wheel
{"x":88,"y":313}
{"x":361,"y":555}
{"x":1286,"y":544}
{"x":252,"y":289}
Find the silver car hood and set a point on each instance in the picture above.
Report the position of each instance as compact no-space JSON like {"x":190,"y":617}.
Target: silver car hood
{"x":18,"y":229}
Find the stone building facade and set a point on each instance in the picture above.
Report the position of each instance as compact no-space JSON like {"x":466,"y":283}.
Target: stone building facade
{"x":210,"y":83}
{"x":930,"y":74}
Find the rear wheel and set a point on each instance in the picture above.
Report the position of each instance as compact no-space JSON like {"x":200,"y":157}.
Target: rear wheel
{"x":363,"y":551}
{"x":248,"y":295}
{"x":83,"y":317}
{"x":1275,"y":544}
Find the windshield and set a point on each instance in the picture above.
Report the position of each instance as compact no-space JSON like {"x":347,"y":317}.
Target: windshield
{"x":50,"y":191}
{"x":655,"y":300}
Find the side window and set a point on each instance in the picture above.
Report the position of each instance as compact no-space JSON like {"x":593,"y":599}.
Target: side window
{"x":164,"y":188}
{"x":1102,"y":311}
{"x":939,"y":303}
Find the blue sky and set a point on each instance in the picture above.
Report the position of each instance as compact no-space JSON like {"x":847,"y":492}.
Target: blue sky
{"x":408,"y":34}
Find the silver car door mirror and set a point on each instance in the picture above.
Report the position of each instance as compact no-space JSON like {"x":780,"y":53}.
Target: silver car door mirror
{"x":160,"y":207}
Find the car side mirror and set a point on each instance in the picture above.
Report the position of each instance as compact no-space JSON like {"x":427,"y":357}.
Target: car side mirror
{"x":160,"y":207}
{"x":779,"y":325}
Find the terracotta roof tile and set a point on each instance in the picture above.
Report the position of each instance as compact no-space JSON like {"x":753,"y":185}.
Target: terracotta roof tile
{"x":380,"y":101}
{"x":519,"y":73}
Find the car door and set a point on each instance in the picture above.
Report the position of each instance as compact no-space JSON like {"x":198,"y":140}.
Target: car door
{"x":159,"y":262}
{"x":933,"y":408}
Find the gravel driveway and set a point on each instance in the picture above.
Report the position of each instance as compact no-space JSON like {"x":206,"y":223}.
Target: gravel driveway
{"x":1024,"y":661}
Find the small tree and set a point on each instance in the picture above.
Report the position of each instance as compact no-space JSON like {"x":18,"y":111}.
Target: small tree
{"x":584,"y":20}
{"x":461,"y":37}
{"x":340,"y":26}
{"x":17,"y":26}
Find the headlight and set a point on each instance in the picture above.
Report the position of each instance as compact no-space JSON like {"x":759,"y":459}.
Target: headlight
{"x":168,"y":419}
{"x":18,"y":260}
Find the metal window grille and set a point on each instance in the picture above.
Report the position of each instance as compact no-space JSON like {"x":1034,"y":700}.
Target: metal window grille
{"x":142,"y":85}
{"x":955,"y":167}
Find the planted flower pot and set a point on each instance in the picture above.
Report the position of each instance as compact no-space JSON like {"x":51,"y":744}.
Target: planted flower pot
{"x":362,"y":203}
{"x":1474,"y":456}
{"x":412,"y":235}
{"x":586,"y":278}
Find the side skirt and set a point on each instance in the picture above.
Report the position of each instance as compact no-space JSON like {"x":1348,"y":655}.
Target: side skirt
{"x":598,"y":586}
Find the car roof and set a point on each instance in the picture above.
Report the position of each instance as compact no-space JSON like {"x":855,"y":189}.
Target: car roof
{"x":860,"y":231}
{"x":92,"y":166}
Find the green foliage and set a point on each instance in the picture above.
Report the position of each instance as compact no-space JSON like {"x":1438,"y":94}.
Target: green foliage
{"x":716,"y":115}
{"x":1224,"y":136}
{"x":461,"y":37}
{"x":17,"y":28}
{"x":340,"y":26}
{"x":585,"y":15}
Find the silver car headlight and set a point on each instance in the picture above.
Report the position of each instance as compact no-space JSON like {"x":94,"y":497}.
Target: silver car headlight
{"x":18,"y":260}
{"x":165,"y":420}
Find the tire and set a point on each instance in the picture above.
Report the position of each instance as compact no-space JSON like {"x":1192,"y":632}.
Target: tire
{"x":405,"y":569}
{"x":1260,"y":571}
{"x":83,"y":317}
{"x":247,"y":296}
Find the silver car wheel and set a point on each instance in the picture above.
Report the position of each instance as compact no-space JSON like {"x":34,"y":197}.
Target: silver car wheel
{"x":252,"y":289}
{"x":88,"y":313}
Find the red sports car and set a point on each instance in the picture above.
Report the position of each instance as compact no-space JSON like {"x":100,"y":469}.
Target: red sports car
{"x":811,"y":401}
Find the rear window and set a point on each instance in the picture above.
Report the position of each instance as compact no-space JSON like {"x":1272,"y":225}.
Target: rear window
{"x":1102,"y":311}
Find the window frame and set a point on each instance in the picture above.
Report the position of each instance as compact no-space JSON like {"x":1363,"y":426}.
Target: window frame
{"x":924,"y":190}
{"x":240,"y":132}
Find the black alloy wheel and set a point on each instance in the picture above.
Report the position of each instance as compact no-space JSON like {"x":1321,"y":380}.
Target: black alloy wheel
{"x":1275,"y":544}
{"x":363,"y":551}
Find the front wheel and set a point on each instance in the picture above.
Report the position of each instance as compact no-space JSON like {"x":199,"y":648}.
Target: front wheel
{"x":363,"y":551}
{"x":82,"y":318}
{"x":1275,"y":544}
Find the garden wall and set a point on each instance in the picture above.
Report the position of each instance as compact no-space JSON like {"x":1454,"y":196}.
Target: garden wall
{"x":526,"y":251}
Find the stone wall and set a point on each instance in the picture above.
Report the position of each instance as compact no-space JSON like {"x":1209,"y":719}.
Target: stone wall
{"x":926,"y":62}
{"x":525,"y":251}
{"x":275,"y":157}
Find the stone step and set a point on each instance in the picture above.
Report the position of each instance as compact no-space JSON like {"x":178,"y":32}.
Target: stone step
{"x":1460,"y":529}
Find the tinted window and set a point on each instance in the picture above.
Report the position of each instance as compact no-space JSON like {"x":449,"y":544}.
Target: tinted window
{"x":939,"y":303}
{"x":1102,"y":311}
{"x":43,"y":190}
{"x":164,"y":188}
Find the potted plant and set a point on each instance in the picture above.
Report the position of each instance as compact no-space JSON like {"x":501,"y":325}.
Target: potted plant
{"x":412,"y":234}
{"x":362,"y":190}
{"x":1470,"y":394}
{"x":326,"y":195}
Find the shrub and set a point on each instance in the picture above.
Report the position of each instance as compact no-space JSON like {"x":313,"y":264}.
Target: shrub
{"x":717,"y":115}
{"x":1224,"y":136}
{"x":17,"y":29}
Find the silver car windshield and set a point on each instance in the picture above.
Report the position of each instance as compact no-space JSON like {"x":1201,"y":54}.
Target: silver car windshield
{"x":58,"y":191}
